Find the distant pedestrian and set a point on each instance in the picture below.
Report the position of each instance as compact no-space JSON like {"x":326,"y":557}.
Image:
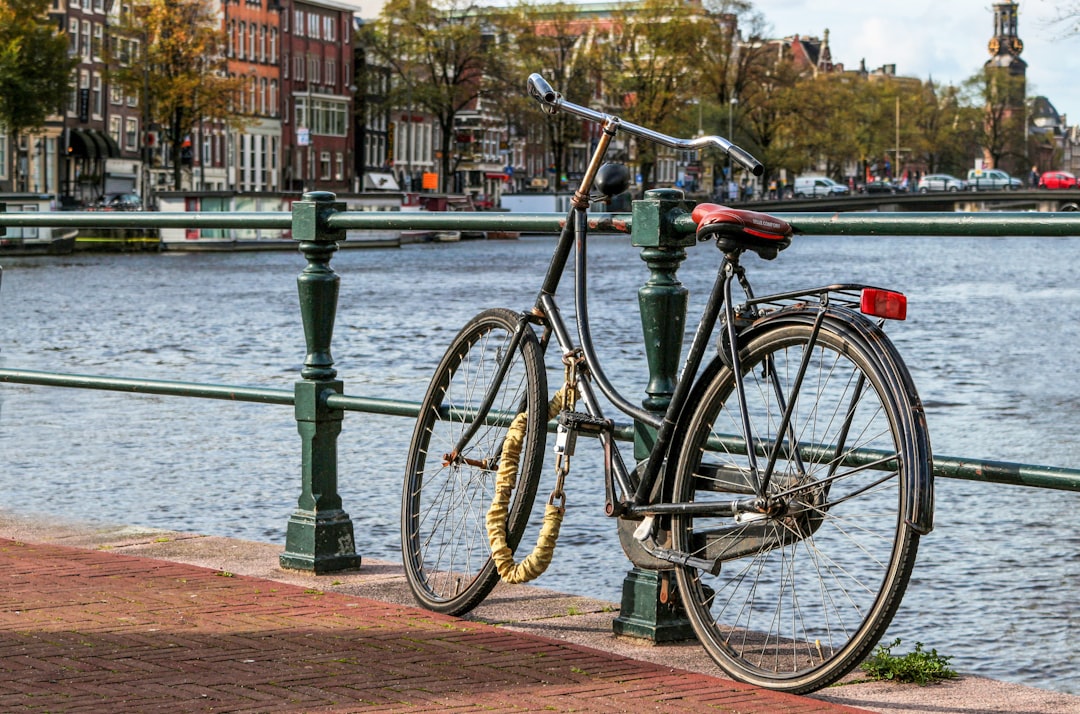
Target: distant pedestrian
{"x":1033,"y":177}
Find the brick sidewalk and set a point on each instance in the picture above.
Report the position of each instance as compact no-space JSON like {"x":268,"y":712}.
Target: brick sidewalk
{"x":92,"y":631}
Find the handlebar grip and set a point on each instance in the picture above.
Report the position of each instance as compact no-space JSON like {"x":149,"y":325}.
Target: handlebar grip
{"x":744,"y":158}
{"x":541,"y":90}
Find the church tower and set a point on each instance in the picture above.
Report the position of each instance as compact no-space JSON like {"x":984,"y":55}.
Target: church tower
{"x":1006,"y":93}
{"x":1005,"y":46}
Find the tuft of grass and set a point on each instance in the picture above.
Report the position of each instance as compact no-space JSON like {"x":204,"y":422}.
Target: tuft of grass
{"x":918,"y":667}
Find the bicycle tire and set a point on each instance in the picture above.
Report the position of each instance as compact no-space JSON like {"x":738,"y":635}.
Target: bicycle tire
{"x":802,"y":596}
{"x":444,"y":541}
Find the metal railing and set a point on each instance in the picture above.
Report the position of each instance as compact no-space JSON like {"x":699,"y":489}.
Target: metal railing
{"x":320,"y":533}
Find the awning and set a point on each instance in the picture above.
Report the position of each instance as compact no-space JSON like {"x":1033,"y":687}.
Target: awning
{"x":112,"y":149}
{"x":497,"y":176}
{"x":99,"y":142}
{"x":80,"y":145}
{"x":380,"y":182}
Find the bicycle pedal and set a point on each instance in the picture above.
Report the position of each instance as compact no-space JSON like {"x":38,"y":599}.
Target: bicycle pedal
{"x":584,"y":423}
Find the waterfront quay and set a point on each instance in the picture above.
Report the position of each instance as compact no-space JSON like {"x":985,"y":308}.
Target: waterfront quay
{"x":125,"y":619}
{"x":982,"y":581}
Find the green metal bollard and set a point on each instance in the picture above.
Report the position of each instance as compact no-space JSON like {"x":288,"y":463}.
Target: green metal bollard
{"x":650,"y":608}
{"x":319,"y":538}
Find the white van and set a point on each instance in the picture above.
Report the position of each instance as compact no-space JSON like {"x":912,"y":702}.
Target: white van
{"x":817,"y":186}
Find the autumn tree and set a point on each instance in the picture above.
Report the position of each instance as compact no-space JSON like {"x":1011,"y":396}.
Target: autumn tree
{"x":646,"y":56}
{"x":35,"y":69}
{"x":554,"y":40}
{"x":1000,"y":94}
{"x":171,"y":54}
{"x":437,"y":53}
{"x":819,"y":124}
{"x":943,"y":128}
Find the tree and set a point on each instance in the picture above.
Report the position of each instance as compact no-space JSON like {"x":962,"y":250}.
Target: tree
{"x":178,"y":69}
{"x":438,"y":55}
{"x":551,"y":39}
{"x":648,"y":51}
{"x":943,"y":129}
{"x":1000,"y":93}
{"x":35,"y":70}
{"x":818,"y":123}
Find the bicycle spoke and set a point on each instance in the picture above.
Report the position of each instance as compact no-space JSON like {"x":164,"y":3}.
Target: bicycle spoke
{"x":450,"y":483}
{"x":803,"y":593}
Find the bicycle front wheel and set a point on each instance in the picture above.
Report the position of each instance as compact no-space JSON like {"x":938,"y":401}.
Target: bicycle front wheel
{"x":803,"y":593}
{"x":444,"y":503}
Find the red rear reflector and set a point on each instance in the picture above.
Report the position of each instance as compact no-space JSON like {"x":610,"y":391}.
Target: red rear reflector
{"x":883,"y":303}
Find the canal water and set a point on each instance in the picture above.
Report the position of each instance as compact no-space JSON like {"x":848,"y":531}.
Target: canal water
{"x":993,"y":341}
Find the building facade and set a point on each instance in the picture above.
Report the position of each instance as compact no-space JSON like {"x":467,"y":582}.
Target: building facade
{"x":317,"y":96}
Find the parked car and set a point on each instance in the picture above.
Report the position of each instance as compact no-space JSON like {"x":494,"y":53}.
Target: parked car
{"x":1057,"y":179}
{"x":818,"y":186}
{"x":883,"y":186}
{"x":121,"y":202}
{"x":992,"y":180}
{"x":940,"y":182}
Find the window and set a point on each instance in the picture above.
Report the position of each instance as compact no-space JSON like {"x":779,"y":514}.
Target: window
{"x":331,"y":71}
{"x":298,"y":24}
{"x":273,"y":98}
{"x":240,"y":40}
{"x":98,"y":40}
{"x":328,"y":29}
{"x":298,"y":68}
{"x":114,"y":130}
{"x":324,"y":165}
{"x":116,"y":94}
{"x":84,"y":41}
{"x":252,"y":44}
{"x":73,"y":37}
{"x":313,"y":26}
{"x":97,"y":97}
{"x":131,"y":133}
{"x":313,"y":68}
{"x":273,"y":44}
{"x":339,"y":166}
{"x":262,"y":96}
{"x":262,"y":43}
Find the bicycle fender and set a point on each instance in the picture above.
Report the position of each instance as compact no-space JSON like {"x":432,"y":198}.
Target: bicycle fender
{"x":856,"y":328}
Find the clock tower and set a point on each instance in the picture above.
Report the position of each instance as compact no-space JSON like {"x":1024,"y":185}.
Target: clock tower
{"x":1005,"y":46}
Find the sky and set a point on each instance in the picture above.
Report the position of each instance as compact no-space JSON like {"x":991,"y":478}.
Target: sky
{"x":940,"y":39}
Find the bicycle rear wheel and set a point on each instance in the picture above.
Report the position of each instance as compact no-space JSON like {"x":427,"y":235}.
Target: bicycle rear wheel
{"x":444,"y":539}
{"x":803,"y":594}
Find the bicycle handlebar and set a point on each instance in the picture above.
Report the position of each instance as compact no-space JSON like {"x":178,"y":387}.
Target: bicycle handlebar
{"x":552,"y":102}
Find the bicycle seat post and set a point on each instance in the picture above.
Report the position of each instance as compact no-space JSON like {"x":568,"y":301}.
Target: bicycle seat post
{"x":647,"y":609}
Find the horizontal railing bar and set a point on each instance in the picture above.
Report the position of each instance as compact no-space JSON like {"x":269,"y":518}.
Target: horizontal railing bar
{"x":1004,"y":472}
{"x":149,"y":386}
{"x":1000,"y":472}
{"x":988,"y":224}
{"x":148,"y":219}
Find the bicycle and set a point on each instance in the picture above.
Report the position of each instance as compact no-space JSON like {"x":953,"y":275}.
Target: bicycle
{"x":790,"y":476}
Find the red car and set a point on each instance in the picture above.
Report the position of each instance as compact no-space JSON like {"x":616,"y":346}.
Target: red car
{"x":1057,"y":179}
